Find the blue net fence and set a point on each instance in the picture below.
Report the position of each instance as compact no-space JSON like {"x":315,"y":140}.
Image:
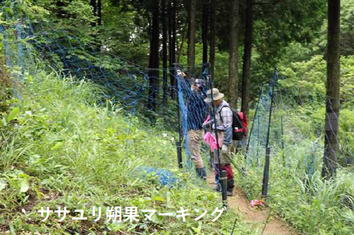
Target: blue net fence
{"x":292,"y":126}
{"x":278,"y":120}
{"x":31,"y":45}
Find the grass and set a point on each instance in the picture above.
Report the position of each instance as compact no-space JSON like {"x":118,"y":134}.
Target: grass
{"x":61,"y":149}
{"x":297,"y":191}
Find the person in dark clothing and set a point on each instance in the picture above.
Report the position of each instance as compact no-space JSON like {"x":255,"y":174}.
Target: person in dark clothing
{"x":197,"y":111}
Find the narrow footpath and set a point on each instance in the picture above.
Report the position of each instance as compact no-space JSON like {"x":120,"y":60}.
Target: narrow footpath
{"x":257,"y":218}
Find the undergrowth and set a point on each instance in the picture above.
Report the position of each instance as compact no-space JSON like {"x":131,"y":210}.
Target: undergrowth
{"x":60,"y":149}
{"x":297,"y":192}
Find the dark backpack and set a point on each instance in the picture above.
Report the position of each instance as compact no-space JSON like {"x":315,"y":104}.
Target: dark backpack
{"x":239,"y":124}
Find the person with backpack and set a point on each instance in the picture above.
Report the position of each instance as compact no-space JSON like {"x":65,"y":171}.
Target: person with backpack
{"x":197,"y":111}
{"x":224,"y":127}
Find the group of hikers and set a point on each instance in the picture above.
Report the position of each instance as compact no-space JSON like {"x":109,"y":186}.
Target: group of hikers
{"x":199,"y":122}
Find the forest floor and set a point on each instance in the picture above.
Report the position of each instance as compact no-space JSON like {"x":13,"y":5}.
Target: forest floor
{"x":258,"y":218}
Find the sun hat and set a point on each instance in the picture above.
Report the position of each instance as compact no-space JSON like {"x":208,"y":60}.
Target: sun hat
{"x":216,"y":95}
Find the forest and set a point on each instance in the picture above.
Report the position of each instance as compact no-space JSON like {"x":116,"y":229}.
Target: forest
{"x":118,"y":117}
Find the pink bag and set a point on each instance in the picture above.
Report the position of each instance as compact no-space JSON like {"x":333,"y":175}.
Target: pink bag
{"x":210,"y":139}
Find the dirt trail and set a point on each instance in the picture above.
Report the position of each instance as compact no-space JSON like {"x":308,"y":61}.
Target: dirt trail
{"x":256,"y":218}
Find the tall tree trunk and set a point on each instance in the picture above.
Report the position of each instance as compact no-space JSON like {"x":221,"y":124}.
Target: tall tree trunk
{"x":154,"y":59}
{"x":191,"y":39}
{"x":99,"y":12}
{"x":333,"y":91}
{"x":180,"y":49}
{"x":94,"y":10}
{"x":205,"y":32}
{"x":164,"y":54}
{"x":212,"y":35}
{"x":172,"y":45}
{"x":246,"y":74}
{"x":233,"y":54}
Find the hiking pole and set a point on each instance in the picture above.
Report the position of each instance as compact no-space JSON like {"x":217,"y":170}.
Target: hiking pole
{"x":223,"y":186}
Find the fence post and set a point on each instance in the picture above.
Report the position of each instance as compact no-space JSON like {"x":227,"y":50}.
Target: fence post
{"x":266,"y":174}
{"x":267,"y":162}
{"x":179,"y":154}
{"x":177,"y":72}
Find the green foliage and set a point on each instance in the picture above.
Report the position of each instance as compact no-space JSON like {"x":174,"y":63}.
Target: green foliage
{"x":65,"y":150}
{"x":304,"y":85}
{"x":296,"y":191}
{"x":347,"y":27}
{"x":310,"y":204}
{"x":122,"y":36}
{"x":307,"y":79}
{"x":221,"y":65}
{"x":58,"y":147}
{"x":278,"y":23}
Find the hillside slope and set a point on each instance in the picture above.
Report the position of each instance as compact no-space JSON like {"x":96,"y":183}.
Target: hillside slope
{"x":60,"y":149}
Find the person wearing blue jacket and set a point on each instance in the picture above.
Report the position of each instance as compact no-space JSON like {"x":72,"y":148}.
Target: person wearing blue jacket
{"x":197,"y":111}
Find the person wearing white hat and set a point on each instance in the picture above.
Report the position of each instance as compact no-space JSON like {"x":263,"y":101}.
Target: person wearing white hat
{"x":223,"y":125}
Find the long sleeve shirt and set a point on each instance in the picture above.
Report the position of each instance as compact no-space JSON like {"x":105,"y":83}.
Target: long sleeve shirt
{"x":197,"y":111}
{"x":224,"y":121}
